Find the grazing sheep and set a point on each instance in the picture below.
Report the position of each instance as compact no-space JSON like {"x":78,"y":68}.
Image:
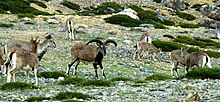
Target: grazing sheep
{"x":200,"y":59}
{"x":146,"y":47}
{"x":89,"y":53}
{"x":41,"y":49}
{"x":22,"y":59}
{"x":71,"y":30}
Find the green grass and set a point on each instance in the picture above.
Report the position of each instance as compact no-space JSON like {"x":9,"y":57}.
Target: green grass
{"x":71,"y":95}
{"x":71,"y":100}
{"x":187,"y":25}
{"x":20,"y":7}
{"x":52,"y":74}
{"x":121,"y":79}
{"x":36,"y":99}
{"x":6,"y":25}
{"x":204,"y":73}
{"x":26,"y":15}
{"x":186,"y":16}
{"x":158,"y":77}
{"x":70,"y":5}
{"x":17,"y":85}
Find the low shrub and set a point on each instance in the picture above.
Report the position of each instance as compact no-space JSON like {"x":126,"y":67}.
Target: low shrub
{"x":36,"y":99}
{"x":185,"y":15}
{"x":2,"y":11}
{"x":159,"y":76}
{"x":140,"y":81}
{"x":123,"y":20}
{"x":52,"y":74}
{"x":101,"y":9}
{"x":213,"y":54}
{"x":70,"y":5}
{"x":169,"y":36}
{"x":71,"y":95}
{"x":187,"y":25}
{"x":121,"y":79}
{"x":168,"y":22}
{"x":204,"y":73}
{"x":157,"y":1}
{"x":73,"y":81}
{"x":41,"y":4}
{"x":25,"y":15}
{"x":17,"y":85}
{"x":71,"y":100}
{"x":197,"y":6}
{"x":157,"y":25}
{"x":167,"y":46}
{"x":6,"y":25}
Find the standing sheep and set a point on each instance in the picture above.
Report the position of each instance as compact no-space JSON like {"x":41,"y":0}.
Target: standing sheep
{"x":89,"y":53}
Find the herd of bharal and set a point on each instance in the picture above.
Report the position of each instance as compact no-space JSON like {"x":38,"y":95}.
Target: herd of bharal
{"x":28,"y":53}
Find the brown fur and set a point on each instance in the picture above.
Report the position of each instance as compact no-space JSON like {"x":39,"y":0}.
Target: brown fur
{"x":146,"y":47}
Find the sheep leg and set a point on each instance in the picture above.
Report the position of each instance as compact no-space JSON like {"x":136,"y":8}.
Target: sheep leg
{"x":35,"y":73}
{"x":95,"y":67}
{"x":175,"y":68}
{"x":134,"y":56}
{"x":75,"y":69}
{"x":103,"y":71}
{"x":69,"y":66}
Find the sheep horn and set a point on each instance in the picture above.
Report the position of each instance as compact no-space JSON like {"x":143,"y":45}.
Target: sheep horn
{"x":95,"y":40}
{"x":110,"y":41}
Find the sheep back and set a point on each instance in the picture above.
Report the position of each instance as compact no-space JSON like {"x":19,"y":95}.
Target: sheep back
{"x":195,"y":58}
{"x":84,"y":52}
{"x":147,"y":46}
{"x":17,"y":44}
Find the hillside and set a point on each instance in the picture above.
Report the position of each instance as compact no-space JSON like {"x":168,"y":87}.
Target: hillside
{"x":127,"y":80}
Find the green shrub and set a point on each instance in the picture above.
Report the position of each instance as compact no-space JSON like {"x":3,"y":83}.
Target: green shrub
{"x":73,"y":81}
{"x":6,"y":25}
{"x":166,"y":46}
{"x":169,"y":36}
{"x":20,"y":7}
{"x":188,"y":25}
{"x":25,"y":15}
{"x":36,"y":99}
{"x":101,"y":9}
{"x":185,"y":16}
{"x":204,"y":73}
{"x":159,"y":76}
{"x":123,"y":20}
{"x":121,"y":79}
{"x":140,"y":81}
{"x":213,"y":54}
{"x":70,"y":5}
{"x":157,"y":25}
{"x":157,"y":1}
{"x":38,"y":3}
{"x":17,"y":85}
{"x":71,"y":100}
{"x":197,"y":6}
{"x":52,"y":74}
{"x":168,"y":22}
{"x":71,"y":95}
{"x":2,"y":11}
{"x":192,"y":49}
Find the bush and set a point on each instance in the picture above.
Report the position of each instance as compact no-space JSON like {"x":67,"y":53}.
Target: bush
{"x":166,"y":46}
{"x":101,"y":9}
{"x":19,"y":7}
{"x":2,"y":11}
{"x":213,"y":54}
{"x":185,"y":16}
{"x":123,"y":20}
{"x":54,"y":74}
{"x":73,"y":81}
{"x":168,"y":22}
{"x":157,"y":1}
{"x":25,"y":15}
{"x":36,"y":99}
{"x":17,"y":85}
{"x":157,"y":25}
{"x":71,"y":95}
{"x":204,"y":73}
{"x":6,"y":25}
{"x":169,"y":36}
{"x":187,"y":25}
{"x":71,"y":100}
{"x":159,"y":76}
{"x":197,"y":6}
{"x":38,"y":3}
{"x":70,"y":5}
{"x":121,"y":79}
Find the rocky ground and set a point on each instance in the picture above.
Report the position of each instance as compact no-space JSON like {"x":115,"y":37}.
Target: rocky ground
{"x":117,"y":62}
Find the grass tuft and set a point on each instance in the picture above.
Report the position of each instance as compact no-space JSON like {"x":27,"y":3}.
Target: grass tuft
{"x":52,"y":74}
{"x":70,"y":5}
{"x":186,"y":16}
{"x":187,"y":25}
{"x":17,"y":85}
{"x":204,"y":73}
{"x":6,"y":25}
{"x":71,"y":95}
{"x":159,"y":76}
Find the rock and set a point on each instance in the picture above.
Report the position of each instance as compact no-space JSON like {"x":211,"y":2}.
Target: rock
{"x":129,"y":12}
{"x":61,"y":79}
{"x":115,"y":32}
{"x":147,"y":70}
{"x":26,"y":19}
{"x":52,"y":21}
{"x":211,"y":11}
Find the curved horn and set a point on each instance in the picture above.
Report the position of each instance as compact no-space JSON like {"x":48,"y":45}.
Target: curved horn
{"x":110,"y":41}
{"x":95,"y":40}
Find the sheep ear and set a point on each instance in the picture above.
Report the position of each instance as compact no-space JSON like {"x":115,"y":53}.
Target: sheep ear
{"x":48,"y":37}
{"x":31,"y":38}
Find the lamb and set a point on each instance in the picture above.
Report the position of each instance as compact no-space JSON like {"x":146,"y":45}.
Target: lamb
{"x":41,"y":49}
{"x":200,"y":59}
{"x":71,"y":29}
{"x":89,"y":53}
{"x":146,"y":47}
{"x":21,"y":58}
